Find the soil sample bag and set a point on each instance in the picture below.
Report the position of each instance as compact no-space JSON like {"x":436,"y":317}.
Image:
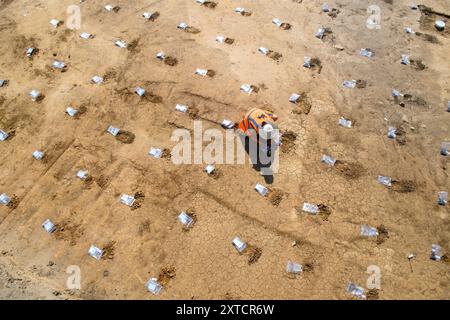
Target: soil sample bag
{"x":294,"y":268}
{"x":4,"y":199}
{"x":95,"y":252}
{"x":185,"y":219}
{"x":71,"y":111}
{"x":367,"y":231}
{"x":387,"y":181}
{"x":345,"y":122}
{"x":239,"y":245}
{"x":181,"y":108}
{"x":261,"y":190}
{"x":153,"y":286}
{"x":38,"y":155}
{"x":127,"y":200}
{"x":356,"y":291}
{"x":310,"y":208}
{"x":155,"y":153}
{"x":3,"y":135}
{"x":114,"y":131}
{"x":49,"y":226}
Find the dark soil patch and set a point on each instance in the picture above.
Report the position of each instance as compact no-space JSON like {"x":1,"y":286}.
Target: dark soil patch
{"x":153,"y":98}
{"x":286,"y":26}
{"x":333,"y":13}
{"x":14,"y":202}
{"x":108,"y":250}
{"x":288,"y":139}
{"x":171,"y":61}
{"x":144,"y":227}
{"x":215,"y":174}
{"x":419,"y":101}
{"x":361,"y":84}
{"x":246,"y":13}
{"x":191,"y":212}
{"x":110,"y":74}
{"x":40,"y":98}
{"x":125,"y":137}
{"x":88,"y":182}
{"x":68,"y":231}
{"x":166,"y":274}
{"x":383,"y":234}
{"x":154,"y":16}
{"x":194,"y":113}
{"x":275,"y":56}
{"x":427,"y":37}
{"x":445,"y":259}
{"x":102,"y":181}
{"x":275,"y":197}
{"x":316,"y":64}
{"x":193,"y":30}
{"x":308,"y":267}
{"x":211,"y":73}
{"x":324,"y":212}
{"x":254,"y":253}
{"x":400,"y":135}
{"x":350,"y":170}
{"x":139,"y":197}
{"x":403,"y":186}
{"x":166,"y":154}
{"x":304,"y":105}
{"x":81,"y":110}
{"x":373,"y":294}
{"x":133,"y":46}
{"x":229,"y":40}
{"x":210,"y":4}
{"x":418,"y":64}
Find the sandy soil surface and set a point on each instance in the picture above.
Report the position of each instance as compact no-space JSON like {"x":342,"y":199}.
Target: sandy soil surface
{"x":201,"y":263}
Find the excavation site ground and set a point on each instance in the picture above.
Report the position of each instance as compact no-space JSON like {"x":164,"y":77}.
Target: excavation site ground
{"x":146,"y":240}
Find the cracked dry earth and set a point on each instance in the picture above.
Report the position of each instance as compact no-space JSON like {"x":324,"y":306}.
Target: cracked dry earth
{"x":202,"y":262}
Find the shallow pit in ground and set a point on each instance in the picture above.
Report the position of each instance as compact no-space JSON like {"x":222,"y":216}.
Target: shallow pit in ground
{"x":275,"y":196}
{"x":108,"y":250}
{"x":192,"y":30}
{"x":139,"y":197}
{"x":275,"y":56}
{"x":68,"y":231}
{"x":383,"y":234}
{"x":125,"y":137}
{"x":350,"y":170}
{"x":253,"y":253}
{"x":403,"y":186}
{"x":303,"y":105}
{"x":171,"y":61}
{"x":209,"y":4}
{"x":324,"y":212}
{"x":165,"y":275}
{"x":288,"y":139}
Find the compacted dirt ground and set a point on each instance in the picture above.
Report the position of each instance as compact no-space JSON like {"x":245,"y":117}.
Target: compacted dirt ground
{"x":201,"y":263}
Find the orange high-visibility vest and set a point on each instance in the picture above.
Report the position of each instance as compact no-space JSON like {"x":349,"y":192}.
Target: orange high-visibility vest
{"x":254,"y":119}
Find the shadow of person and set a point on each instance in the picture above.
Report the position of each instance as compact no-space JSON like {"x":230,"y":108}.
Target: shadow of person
{"x":261,"y":162}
